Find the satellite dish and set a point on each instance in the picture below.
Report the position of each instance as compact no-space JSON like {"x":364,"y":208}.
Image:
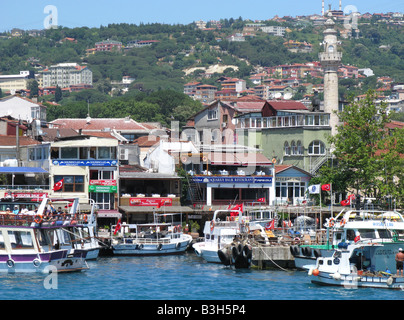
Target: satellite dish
{"x":278,"y":95}
{"x":88,"y":119}
{"x":287,"y":96}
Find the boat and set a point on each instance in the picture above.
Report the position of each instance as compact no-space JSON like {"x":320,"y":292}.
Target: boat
{"x":374,"y":226}
{"x":36,"y":242}
{"x":221,"y":231}
{"x":365,"y":264}
{"x":85,"y":237}
{"x":157,"y":238}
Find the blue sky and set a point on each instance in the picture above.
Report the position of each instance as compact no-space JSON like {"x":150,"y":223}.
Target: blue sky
{"x":29,"y":14}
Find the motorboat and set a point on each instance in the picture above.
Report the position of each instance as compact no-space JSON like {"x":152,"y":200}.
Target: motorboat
{"x":221,"y":231}
{"x":157,"y":238}
{"x":363,"y":264}
{"x":38,"y":243}
{"x":370,"y":225}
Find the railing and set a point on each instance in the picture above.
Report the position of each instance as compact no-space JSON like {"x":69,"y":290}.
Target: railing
{"x":41,"y":220}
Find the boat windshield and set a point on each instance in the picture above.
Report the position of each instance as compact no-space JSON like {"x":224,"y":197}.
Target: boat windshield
{"x":20,"y":239}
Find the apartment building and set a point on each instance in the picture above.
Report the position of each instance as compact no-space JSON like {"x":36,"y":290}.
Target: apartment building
{"x":67,"y":74}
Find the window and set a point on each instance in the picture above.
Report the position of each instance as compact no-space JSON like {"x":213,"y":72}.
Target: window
{"x":299,"y":147}
{"x":287,"y":149}
{"x":20,"y":239}
{"x":316,"y":148}
{"x":71,"y":183}
{"x":293,"y":147}
{"x":69,"y":153}
{"x":104,"y":153}
{"x":212,"y":114}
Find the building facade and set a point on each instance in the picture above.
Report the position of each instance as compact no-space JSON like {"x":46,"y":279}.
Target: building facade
{"x":67,"y":74}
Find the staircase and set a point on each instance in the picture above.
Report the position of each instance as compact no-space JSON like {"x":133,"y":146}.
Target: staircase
{"x":194,"y":191}
{"x":317,"y":162}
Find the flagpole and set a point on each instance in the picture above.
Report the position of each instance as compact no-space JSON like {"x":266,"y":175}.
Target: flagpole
{"x":332,"y":212}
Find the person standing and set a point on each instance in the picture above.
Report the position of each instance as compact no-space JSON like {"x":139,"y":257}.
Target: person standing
{"x":400,"y":261}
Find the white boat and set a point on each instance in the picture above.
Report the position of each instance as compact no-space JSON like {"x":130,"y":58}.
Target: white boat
{"x":369,"y":225}
{"x":85,"y":234}
{"x":263,"y":217}
{"x":362,"y":264}
{"x":30,"y":243}
{"x":158,"y":238}
{"x":221,"y":231}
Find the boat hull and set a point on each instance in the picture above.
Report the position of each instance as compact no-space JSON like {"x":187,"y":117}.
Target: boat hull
{"x":151,"y":249}
{"x":58,"y":261}
{"x":359,"y":281}
{"x":208,"y":253}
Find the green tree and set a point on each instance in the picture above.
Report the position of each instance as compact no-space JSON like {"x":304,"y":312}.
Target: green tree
{"x":366,"y":151}
{"x":58,"y":94}
{"x":33,"y":87}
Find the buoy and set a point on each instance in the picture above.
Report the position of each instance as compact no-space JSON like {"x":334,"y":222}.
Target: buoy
{"x":336,"y":276}
{"x":315,"y":272}
{"x":389,"y":281}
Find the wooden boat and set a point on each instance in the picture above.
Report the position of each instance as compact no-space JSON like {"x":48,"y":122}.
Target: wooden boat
{"x":157,"y":238}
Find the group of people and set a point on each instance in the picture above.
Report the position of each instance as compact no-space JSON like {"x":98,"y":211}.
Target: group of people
{"x":50,"y":212}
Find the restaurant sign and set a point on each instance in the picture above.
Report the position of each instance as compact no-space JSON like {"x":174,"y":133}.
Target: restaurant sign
{"x":155,"y":202}
{"x":102,"y":186}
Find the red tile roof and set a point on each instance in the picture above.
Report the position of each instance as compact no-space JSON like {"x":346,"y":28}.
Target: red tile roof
{"x":98,"y":124}
{"x":11,"y":141}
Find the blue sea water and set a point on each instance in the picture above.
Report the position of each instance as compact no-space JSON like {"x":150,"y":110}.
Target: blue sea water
{"x":183,"y":277}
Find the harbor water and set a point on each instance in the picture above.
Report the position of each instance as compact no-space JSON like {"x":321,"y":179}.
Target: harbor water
{"x":182,"y":277}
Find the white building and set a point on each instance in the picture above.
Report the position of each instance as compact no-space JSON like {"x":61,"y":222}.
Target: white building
{"x":67,"y":74}
{"x":22,"y":108}
{"x":14,"y":82}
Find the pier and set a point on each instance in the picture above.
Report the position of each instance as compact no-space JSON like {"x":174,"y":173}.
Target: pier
{"x":270,"y":257}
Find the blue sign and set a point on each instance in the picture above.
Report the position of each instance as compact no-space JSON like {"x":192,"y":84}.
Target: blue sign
{"x":262,"y":180}
{"x":86,"y":163}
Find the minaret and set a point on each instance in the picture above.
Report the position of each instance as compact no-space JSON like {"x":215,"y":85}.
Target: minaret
{"x":330,"y":59}
{"x":322,"y":8}
{"x":340,"y":5}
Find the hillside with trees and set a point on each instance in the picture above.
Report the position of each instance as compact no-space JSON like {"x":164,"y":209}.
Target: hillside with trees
{"x":160,"y":67}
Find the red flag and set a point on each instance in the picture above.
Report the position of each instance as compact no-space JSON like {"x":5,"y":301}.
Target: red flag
{"x":261,"y":199}
{"x":346,"y":202}
{"x":118,"y":227}
{"x":326,"y":187}
{"x":270,"y":225}
{"x":351,"y":197}
{"x":357,"y":238}
{"x":58,"y":185}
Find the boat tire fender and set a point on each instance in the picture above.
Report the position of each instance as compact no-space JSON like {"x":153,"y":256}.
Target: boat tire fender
{"x":223,"y":258}
{"x":308,"y":251}
{"x":141,"y":246}
{"x":317,"y":253}
{"x":159,"y":247}
{"x":36,"y":262}
{"x":234,"y":252}
{"x":10,"y":263}
{"x":178,"y":246}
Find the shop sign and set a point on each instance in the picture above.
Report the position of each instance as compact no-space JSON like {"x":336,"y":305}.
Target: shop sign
{"x":232,"y":179}
{"x":155,"y":202}
{"x":102,"y":189}
{"x":109,"y":182}
{"x":27,"y":195}
{"x":85,"y":163}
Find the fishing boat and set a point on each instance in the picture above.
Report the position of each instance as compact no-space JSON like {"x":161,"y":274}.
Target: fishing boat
{"x":371,"y":225}
{"x":38,"y":243}
{"x":362,"y":264}
{"x":85,"y":237}
{"x":221,"y":231}
{"x":157,"y":238}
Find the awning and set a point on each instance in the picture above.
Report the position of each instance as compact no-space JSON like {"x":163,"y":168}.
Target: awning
{"x":22,"y":170}
{"x":149,"y":209}
{"x":238,"y":159}
{"x":109,"y":214}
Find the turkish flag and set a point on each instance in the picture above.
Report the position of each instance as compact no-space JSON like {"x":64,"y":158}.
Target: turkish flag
{"x":261,"y":199}
{"x":58,"y":185}
{"x":346,"y":202}
{"x":118,"y":227}
{"x":326,"y":187}
{"x":270,"y":225}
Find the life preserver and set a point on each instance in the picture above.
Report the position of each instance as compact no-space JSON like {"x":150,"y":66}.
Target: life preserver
{"x":331,"y":222}
{"x":10,"y":263}
{"x":38,"y":219}
{"x":342,"y":223}
{"x":212,"y":225}
{"x":85,"y":218}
